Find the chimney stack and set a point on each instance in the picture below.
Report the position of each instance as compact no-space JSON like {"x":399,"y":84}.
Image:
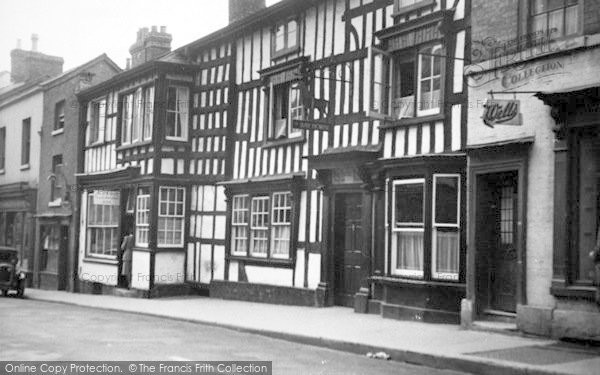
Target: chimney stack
{"x":32,"y":65}
{"x":34,"y":42}
{"x":239,"y":9}
{"x":150,"y":45}
{"x":128,"y":64}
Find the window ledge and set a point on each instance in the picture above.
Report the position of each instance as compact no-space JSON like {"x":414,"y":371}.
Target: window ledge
{"x":263,"y":261}
{"x":397,"y":280}
{"x":412,"y":121}
{"x":132,"y":145}
{"x":574,"y":292}
{"x":2,"y":171}
{"x":57,"y":131}
{"x":285,"y":52}
{"x":24,"y":167}
{"x":109,"y":262}
{"x":176,"y":139}
{"x":55,"y":203}
{"x":284,"y":141}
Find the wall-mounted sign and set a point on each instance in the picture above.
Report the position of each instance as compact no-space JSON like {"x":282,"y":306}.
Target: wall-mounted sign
{"x":311,"y":125}
{"x":107,"y":198}
{"x":415,"y":37}
{"x":502,"y":112}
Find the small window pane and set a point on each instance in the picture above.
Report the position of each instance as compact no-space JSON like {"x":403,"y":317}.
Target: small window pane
{"x":409,"y":203}
{"x":446,"y":200}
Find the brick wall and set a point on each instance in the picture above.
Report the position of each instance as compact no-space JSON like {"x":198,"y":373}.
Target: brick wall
{"x":493,"y":24}
{"x":591,"y":17}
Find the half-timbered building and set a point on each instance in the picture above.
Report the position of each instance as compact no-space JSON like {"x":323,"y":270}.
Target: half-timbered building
{"x":345,"y":137}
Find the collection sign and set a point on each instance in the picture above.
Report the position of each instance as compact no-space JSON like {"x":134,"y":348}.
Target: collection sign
{"x":106,"y":198}
{"x":311,"y":125}
{"x":502,"y":112}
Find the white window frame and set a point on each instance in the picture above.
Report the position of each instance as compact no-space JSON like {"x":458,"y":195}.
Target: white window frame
{"x":277,"y":223}
{"x":407,"y":227}
{"x":173,"y":216}
{"x":291,"y":132}
{"x":127,"y":118}
{"x":287,"y":47}
{"x":90,"y":227}
{"x":435,"y":110}
{"x":96,"y":121}
{"x":435,"y":225}
{"x":183,"y":115}
{"x":142,"y":208}
{"x":148,"y":113}
{"x":263,"y":198}
{"x":235,"y":210}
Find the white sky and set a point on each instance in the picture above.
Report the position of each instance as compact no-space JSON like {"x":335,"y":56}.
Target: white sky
{"x":80,"y":30}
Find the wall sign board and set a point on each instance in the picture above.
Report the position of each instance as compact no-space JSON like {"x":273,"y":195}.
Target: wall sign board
{"x":502,"y":112}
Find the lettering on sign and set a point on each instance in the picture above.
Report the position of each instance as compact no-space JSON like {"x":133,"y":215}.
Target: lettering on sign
{"x":502,"y":112}
{"x":107,"y":198}
{"x":311,"y":125}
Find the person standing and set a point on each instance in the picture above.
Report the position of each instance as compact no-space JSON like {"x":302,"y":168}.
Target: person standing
{"x":126,"y":251}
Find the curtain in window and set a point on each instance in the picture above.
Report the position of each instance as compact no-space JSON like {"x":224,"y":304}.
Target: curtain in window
{"x":410,"y":250}
{"x":447,"y":251}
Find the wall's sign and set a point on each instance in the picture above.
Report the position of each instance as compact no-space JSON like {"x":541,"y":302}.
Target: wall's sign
{"x":415,"y":37}
{"x":311,"y":125}
{"x":502,"y":112}
{"x":107,"y":198}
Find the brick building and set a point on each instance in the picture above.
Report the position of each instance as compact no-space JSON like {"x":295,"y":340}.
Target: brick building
{"x":534,"y":166}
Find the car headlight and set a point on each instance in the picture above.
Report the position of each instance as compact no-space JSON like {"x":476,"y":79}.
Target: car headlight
{"x":22,"y":275}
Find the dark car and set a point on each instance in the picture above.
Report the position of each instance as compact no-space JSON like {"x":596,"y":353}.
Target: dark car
{"x":11,"y":277}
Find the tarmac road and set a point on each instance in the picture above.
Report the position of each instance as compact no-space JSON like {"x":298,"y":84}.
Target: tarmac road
{"x":35,"y":330}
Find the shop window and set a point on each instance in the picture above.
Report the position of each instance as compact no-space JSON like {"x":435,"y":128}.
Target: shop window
{"x":409,"y":229}
{"x":446,"y":227}
{"x":96,"y":121}
{"x":137,"y":115}
{"x":55,"y":187}
{"x":286,"y":106}
{"x":171,"y":216}
{"x":177,"y":113}
{"x":103,"y":223}
{"x":554,"y":18}
{"x":142,"y":218}
{"x":59,"y":115}
{"x":285,"y":38}
{"x":25,"y":142}
{"x":262,"y":225}
{"x":406,"y":86}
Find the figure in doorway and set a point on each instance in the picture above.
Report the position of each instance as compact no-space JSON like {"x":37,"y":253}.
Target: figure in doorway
{"x":126,"y":251}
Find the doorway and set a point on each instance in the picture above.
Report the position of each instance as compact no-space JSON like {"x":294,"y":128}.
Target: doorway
{"x":496,"y":239}
{"x":348,"y":244}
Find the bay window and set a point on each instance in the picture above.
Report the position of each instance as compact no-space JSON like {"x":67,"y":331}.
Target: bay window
{"x":446,"y":225}
{"x":137,"y":115}
{"x":103,"y":224}
{"x":177,"y":113}
{"x":261,"y":225}
{"x":407,"y":84}
{"x":142,"y":218}
{"x":171,"y":216}
{"x":424,"y":208}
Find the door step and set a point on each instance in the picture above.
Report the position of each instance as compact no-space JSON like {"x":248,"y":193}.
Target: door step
{"x":124,"y":292}
{"x":497,"y":326}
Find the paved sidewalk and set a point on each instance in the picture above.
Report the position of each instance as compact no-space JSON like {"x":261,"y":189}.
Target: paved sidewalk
{"x":432,"y":345}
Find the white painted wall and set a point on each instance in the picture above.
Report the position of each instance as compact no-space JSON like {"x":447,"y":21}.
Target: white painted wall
{"x":169,"y":268}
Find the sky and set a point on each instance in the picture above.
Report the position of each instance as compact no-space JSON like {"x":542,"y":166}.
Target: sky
{"x":80,"y":30}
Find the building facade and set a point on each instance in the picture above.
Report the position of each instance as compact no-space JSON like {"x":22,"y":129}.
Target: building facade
{"x":55,"y":236}
{"x":533,"y":156}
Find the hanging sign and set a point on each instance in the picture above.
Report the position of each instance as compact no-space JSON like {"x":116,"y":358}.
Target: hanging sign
{"x":107,"y":198}
{"x":311,"y":125}
{"x":502,"y":112}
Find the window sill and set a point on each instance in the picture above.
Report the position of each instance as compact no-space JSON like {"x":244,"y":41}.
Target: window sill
{"x":262,"y":261}
{"x":57,"y":132}
{"x":176,"y":139}
{"x":24,"y":167}
{"x":285,"y":52}
{"x":2,"y":171}
{"x":55,"y":203}
{"x":284,"y":141}
{"x":106,"y":261}
{"x":411,"y":8}
{"x":133,"y":145}
{"x":398,"y":280}
{"x":573,"y":291}
{"x":389,"y":123}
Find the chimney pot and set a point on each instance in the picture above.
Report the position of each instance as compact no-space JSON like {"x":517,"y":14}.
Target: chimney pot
{"x":128,"y":64}
{"x":154,"y":29}
{"x":163,"y":29}
{"x":34,"y":42}
{"x":239,"y":9}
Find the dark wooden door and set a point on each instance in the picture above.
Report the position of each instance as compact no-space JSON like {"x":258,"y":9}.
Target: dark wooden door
{"x":348,"y":247}
{"x":503,"y":255}
{"x":63,"y":254}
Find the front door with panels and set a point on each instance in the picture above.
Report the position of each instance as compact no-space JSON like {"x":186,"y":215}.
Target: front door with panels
{"x":497,"y":242}
{"x":348,"y":237}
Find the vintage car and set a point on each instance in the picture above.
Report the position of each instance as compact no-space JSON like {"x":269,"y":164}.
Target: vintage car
{"x":11,"y":277}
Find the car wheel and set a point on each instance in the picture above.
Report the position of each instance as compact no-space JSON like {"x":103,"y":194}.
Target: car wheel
{"x":20,"y":292}
{"x":4,"y":293}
